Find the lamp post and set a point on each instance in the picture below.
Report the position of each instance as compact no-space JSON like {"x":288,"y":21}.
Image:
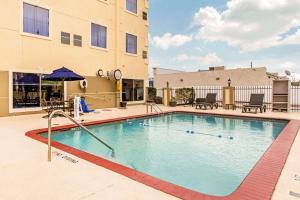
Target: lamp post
{"x":229,"y":82}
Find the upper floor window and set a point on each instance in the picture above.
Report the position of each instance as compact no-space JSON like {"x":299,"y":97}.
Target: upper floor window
{"x":35,"y":20}
{"x":99,"y":35}
{"x":131,"y":5}
{"x":131,"y":43}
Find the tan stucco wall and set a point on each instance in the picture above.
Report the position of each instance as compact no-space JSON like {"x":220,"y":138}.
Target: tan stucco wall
{"x":3,"y":93}
{"x":100,"y":92}
{"x":239,"y":77}
{"x":21,"y":52}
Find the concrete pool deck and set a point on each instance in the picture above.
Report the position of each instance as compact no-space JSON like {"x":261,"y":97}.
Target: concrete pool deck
{"x":26,"y":174}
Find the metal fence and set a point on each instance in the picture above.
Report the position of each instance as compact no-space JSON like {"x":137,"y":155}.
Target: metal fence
{"x":295,"y":99}
{"x":242,"y":95}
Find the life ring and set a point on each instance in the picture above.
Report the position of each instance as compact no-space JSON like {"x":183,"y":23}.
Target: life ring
{"x":83,"y":84}
{"x":100,"y":73}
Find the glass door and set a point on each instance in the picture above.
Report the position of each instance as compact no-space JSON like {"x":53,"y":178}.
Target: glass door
{"x":132,"y":90}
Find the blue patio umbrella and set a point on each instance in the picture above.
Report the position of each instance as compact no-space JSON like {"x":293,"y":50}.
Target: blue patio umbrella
{"x":29,"y":79}
{"x":63,"y":74}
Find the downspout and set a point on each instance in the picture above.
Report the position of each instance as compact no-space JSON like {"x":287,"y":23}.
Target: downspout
{"x":116,"y":62}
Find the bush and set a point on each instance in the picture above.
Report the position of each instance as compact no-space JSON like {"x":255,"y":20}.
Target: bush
{"x":152,"y":93}
{"x":158,"y":100}
{"x":185,"y":95}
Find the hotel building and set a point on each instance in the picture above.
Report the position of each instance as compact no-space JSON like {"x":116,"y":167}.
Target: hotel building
{"x":39,"y":36}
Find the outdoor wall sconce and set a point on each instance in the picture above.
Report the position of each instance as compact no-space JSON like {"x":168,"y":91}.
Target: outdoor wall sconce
{"x":229,"y":82}
{"x":114,"y":75}
{"x":100,"y":73}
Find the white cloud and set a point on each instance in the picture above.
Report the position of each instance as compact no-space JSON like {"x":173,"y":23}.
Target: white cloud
{"x":251,"y":24}
{"x":168,"y":40}
{"x":292,"y":68}
{"x":209,"y":59}
{"x":288,"y":65}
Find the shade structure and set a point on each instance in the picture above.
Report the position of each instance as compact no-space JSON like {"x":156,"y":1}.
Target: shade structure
{"x":63,"y":74}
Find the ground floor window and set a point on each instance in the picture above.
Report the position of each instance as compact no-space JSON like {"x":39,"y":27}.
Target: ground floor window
{"x":132,"y":90}
{"x":29,"y":89}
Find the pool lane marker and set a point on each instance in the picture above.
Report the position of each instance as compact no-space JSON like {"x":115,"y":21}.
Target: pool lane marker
{"x":193,"y":132}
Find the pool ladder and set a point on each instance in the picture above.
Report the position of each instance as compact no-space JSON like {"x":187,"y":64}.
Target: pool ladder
{"x":155,"y":107}
{"x":60,"y":112}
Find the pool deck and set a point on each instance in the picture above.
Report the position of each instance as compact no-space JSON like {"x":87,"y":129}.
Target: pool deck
{"x":26,"y":174}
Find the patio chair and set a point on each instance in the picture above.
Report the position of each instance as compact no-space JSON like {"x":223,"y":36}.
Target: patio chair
{"x":209,"y":101}
{"x":70,"y":107}
{"x":256,"y":102}
{"x":84,"y":106}
{"x":46,"y":107}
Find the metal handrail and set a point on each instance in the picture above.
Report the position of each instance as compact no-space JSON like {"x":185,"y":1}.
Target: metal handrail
{"x":78,"y":124}
{"x":154,"y":106}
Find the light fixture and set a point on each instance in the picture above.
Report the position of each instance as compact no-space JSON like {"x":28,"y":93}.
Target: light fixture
{"x":100,"y":73}
{"x":114,"y":75}
{"x":229,"y":82}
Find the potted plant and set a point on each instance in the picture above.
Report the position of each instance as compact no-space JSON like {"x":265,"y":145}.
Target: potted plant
{"x":173,"y":102}
{"x":123,"y":104}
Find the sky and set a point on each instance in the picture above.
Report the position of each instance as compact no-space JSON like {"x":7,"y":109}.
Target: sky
{"x":194,"y":34}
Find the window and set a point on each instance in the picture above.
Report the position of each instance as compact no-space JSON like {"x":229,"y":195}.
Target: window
{"x":99,"y":36}
{"x":77,"y":40}
{"x":131,"y":5}
{"x":145,"y":16}
{"x":35,"y":20}
{"x":131,"y":43}
{"x":28,"y":88}
{"x":133,"y":90}
{"x":65,"y":38}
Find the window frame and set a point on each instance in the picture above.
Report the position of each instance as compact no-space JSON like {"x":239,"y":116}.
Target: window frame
{"x":136,"y":50}
{"x":10,"y":90}
{"x":41,"y":5}
{"x":134,"y":13}
{"x":133,"y":91}
{"x":91,"y":38}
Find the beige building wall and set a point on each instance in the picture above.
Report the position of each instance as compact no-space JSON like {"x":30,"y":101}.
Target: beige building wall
{"x":99,"y":94}
{"x":239,"y":77}
{"x":23,"y":52}
{"x":3,"y":93}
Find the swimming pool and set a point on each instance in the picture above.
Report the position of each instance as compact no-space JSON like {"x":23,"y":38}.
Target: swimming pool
{"x":203,"y":153}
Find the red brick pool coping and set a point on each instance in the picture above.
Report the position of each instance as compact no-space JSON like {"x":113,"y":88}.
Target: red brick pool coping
{"x":259,"y":184}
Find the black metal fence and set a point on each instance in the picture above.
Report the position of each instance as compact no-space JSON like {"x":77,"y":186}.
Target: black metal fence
{"x":295,"y":99}
{"x":242,"y":95}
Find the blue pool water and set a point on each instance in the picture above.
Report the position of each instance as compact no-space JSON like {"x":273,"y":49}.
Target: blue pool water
{"x":208,"y":154}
